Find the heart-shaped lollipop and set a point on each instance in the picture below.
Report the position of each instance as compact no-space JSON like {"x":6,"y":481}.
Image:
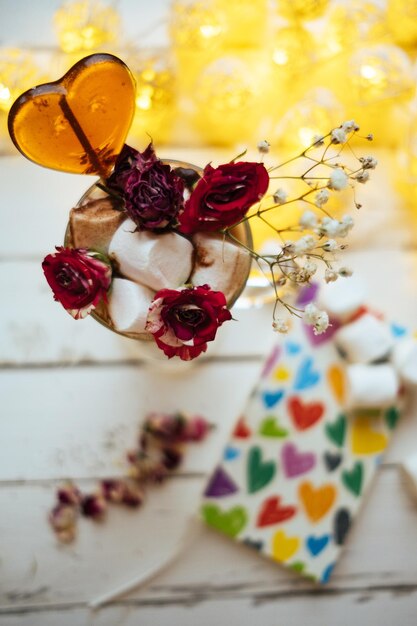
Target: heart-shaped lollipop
{"x":78,"y":123}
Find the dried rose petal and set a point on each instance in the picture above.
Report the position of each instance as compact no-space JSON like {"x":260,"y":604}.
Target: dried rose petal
{"x":69,"y":494}
{"x":171,"y":458}
{"x":133,"y":495}
{"x":113,"y":490}
{"x":94,"y":506}
{"x":165,"y":427}
{"x":196,"y":429}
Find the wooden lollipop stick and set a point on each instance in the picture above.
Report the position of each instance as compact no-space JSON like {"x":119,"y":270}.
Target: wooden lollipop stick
{"x":82,"y":138}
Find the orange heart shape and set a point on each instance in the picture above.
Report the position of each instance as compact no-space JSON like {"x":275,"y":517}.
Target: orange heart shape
{"x":79,"y":123}
{"x":316,"y":502}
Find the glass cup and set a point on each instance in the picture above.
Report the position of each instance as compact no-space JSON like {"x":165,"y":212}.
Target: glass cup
{"x":148,"y":349}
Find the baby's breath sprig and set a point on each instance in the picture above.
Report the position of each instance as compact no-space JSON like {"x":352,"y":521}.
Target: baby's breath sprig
{"x":324,"y":171}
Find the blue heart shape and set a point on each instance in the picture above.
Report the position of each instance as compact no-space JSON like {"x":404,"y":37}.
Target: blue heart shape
{"x":231,"y":453}
{"x":292,"y":348}
{"x":271,"y":398}
{"x":398,"y":331}
{"x":327,"y":573}
{"x":306,"y":376}
{"x":317,"y":544}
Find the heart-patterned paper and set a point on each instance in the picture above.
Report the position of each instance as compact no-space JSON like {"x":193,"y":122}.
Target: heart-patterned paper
{"x":79,"y":123}
{"x":298,"y":464}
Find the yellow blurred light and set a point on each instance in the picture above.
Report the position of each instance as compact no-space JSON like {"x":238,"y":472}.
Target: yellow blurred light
{"x":86,"y":25}
{"x":210,"y":30}
{"x":5,"y":95}
{"x":369,"y":72}
{"x":302,"y":9}
{"x":306,"y":136}
{"x":280,"y":57}
{"x":18,"y":72}
{"x":194,"y":26}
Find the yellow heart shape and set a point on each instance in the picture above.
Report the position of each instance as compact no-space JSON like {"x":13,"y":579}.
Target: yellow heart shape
{"x":365,"y":440}
{"x":336,"y":379}
{"x":284,"y":547}
{"x":281,"y":373}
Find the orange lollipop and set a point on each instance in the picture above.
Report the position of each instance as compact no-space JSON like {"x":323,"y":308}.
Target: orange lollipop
{"x":78,"y":123}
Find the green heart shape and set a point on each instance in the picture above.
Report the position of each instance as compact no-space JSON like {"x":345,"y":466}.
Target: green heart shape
{"x":336,"y":431}
{"x":270,"y":427}
{"x":259,"y":473}
{"x":228,"y":522}
{"x":391,"y":417}
{"x":353,"y":479}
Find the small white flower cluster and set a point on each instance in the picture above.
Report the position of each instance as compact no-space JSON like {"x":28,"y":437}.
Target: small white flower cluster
{"x":316,"y":318}
{"x":280,"y":325}
{"x":338,"y":179}
{"x":331,"y":227}
{"x":263,"y":146}
{"x":280,"y":196}
{"x":330,"y":275}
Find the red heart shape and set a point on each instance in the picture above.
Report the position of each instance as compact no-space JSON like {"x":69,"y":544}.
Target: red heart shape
{"x":242,"y":430}
{"x":304,"y":415}
{"x":272,"y":513}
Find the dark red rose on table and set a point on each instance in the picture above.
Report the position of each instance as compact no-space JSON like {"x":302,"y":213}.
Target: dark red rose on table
{"x":78,"y":279}
{"x":183,"y":321}
{"x":223,"y":196}
{"x":152,"y":192}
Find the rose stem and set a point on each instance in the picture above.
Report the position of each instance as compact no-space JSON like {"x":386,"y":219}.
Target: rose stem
{"x":82,"y":138}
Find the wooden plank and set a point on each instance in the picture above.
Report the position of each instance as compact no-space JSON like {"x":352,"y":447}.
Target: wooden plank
{"x":36,"y":330}
{"x":36,"y":572}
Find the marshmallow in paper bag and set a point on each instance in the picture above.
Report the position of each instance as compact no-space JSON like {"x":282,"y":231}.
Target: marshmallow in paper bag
{"x":370,"y":386}
{"x":404,"y":359}
{"x":365,"y":340}
{"x":342,"y":298}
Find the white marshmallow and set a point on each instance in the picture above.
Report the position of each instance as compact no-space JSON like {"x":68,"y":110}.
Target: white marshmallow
{"x":409,"y":470}
{"x":342,"y":298}
{"x":158,"y":261}
{"x":221,"y":264}
{"x":128,"y":305}
{"x":371,"y":386}
{"x":404,"y":359}
{"x":364,"y":340}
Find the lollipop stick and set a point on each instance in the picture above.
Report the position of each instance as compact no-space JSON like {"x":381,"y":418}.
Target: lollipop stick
{"x":82,"y":138}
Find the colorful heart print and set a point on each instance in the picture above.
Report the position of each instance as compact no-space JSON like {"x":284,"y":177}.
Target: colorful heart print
{"x":220,"y":485}
{"x":316,"y":545}
{"x":364,"y":439}
{"x":271,"y":398}
{"x":242,"y":430}
{"x":259,"y":472}
{"x":304,"y":414}
{"x":317,"y":502}
{"x":352,"y":479}
{"x":273,"y":512}
{"x":295,"y":463}
{"x":78,"y":123}
{"x":332,"y":460}
{"x":306,"y":375}
{"x":336,"y":431}
{"x":283,"y":546}
{"x":337,"y":382}
{"x":230,"y":522}
{"x":270,"y":427}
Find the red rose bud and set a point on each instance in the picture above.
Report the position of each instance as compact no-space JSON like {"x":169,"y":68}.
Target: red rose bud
{"x":165,"y":427}
{"x":94,"y":506}
{"x":196,"y":429}
{"x":182,"y":322}
{"x":69,"y":494}
{"x":153,"y":193}
{"x":223,"y":196}
{"x":78,"y":279}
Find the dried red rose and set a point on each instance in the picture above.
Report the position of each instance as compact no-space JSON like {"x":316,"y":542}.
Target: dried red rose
{"x":78,"y":278}
{"x":152,"y":192}
{"x":183,"y":321}
{"x":223,"y":196}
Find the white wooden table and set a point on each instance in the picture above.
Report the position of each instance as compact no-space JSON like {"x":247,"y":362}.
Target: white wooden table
{"x":72,"y":397}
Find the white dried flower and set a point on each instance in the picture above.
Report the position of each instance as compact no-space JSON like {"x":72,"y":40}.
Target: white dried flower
{"x":330,"y":227}
{"x":321,"y":197}
{"x":308,"y":220}
{"x":349,"y":126}
{"x":263,"y":146}
{"x":368,"y":162}
{"x":280,"y":326}
{"x":288,"y":248}
{"x":362,"y":177}
{"x":346,"y":225}
{"x":345,"y":272}
{"x":330,"y":275}
{"x":316,"y":318}
{"x":338,"y":135}
{"x":305,"y":244}
{"x":280,"y":196}
{"x":318,"y":140}
{"x":338,"y":179}
{"x":310,"y":268}
{"x":330,"y":245}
